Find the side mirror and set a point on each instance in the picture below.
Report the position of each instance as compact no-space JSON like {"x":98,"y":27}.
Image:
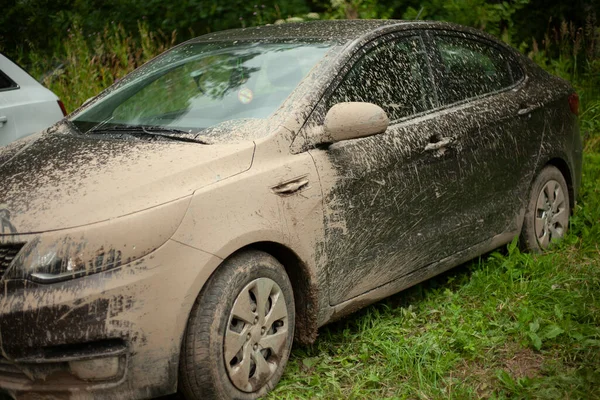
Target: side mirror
{"x":354,"y":120}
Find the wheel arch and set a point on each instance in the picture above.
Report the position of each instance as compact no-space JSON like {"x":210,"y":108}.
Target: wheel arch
{"x":303,"y":284}
{"x":565,"y":170}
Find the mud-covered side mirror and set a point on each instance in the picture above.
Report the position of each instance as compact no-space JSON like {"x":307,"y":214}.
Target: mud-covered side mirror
{"x":353,"y":120}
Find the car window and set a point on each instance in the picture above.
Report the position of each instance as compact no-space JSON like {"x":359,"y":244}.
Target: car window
{"x":6,"y":82}
{"x":515,"y":70}
{"x":241,"y":84}
{"x":470,"y":68}
{"x":392,"y":75}
{"x":200,"y":86}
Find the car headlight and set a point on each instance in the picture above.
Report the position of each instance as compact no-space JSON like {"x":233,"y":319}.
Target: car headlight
{"x":47,"y":260}
{"x":64,"y":263}
{"x":61,"y":255}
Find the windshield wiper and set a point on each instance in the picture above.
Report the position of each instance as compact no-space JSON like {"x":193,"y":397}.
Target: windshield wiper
{"x":149,"y":130}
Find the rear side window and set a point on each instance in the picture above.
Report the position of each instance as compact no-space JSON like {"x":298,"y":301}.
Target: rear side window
{"x":393,"y":75}
{"x":6,"y":82}
{"x":470,"y":68}
{"x":515,"y":70}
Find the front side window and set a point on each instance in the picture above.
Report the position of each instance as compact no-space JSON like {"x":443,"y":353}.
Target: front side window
{"x":393,"y":75}
{"x":202,"y":85}
{"x":470,"y":68}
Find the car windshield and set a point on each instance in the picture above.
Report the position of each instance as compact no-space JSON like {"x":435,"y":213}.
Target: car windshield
{"x":201,"y":85}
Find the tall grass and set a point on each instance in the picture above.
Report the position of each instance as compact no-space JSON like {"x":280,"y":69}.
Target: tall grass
{"x":573,"y":53}
{"x":87,"y":65}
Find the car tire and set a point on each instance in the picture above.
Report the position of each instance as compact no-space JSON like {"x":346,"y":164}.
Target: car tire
{"x":548,"y":209}
{"x":211,"y":366}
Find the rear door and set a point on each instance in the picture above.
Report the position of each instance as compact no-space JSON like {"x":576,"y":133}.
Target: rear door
{"x":480,"y":87}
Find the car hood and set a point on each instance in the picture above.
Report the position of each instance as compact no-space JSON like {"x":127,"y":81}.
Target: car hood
{"x":60,"y":180}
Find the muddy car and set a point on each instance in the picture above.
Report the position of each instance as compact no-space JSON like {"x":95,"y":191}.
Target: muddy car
{"x":241,"y":190}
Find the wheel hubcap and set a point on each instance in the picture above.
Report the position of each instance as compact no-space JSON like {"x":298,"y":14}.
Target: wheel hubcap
{"x":552,"y":216}
{"x":257,"y":334}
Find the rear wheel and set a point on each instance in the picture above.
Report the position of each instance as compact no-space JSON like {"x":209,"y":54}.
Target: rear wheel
{"x":547,"y":215}
{"x":240,"y":330}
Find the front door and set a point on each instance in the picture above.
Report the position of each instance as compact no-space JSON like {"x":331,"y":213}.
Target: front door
{"x":383,"y":193}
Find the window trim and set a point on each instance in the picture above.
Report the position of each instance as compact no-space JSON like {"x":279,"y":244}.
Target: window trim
{"x":302,"y":142}
{"x":14,"y":85}
{"x":431,"y":34}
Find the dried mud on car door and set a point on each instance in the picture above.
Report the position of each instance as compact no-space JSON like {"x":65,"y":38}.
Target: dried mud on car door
{"x":388,"y":197}
{"x":498,"y":145}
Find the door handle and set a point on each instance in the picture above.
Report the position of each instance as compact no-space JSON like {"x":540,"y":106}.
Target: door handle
{"x":526,"y":110}
{"x":291,"y":187}
{"x":440,"y":144}
{"x":3,"y":120}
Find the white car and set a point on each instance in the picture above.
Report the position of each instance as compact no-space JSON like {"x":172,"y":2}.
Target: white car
{"x":26,"y":106}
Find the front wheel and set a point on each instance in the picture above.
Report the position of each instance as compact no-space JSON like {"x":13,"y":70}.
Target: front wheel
{"x":547,"y":215}
{"x":240,"y":330}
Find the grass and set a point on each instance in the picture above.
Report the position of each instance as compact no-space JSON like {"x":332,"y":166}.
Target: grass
{"x":509,"y":325}
{"x":88,"y":65}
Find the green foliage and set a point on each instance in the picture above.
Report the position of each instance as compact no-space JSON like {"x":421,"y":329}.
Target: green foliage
{"x":363,"y":9}
{"x":42,"y":24}
{"x":83,"y":70}
{"x":494,"y":17}
{"x":573,"y":53}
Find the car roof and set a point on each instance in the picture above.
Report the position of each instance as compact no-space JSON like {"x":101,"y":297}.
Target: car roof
{"x":330,"y":30}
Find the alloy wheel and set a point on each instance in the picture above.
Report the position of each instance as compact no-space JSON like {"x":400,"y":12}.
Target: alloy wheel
{"x":552,"y":216}
{"x":256,"y":335}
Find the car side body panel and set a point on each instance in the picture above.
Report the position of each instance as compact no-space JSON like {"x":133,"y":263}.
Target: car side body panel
{"x":497,"y":145}
{"x":562,"y":144}
{"x":380,"y":195}
{"x":392,"y":208}
{"x":519,"y":139}
{"x":284,"y":206}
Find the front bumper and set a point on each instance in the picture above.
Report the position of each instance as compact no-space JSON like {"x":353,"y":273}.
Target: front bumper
{"x":111,"y":335}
